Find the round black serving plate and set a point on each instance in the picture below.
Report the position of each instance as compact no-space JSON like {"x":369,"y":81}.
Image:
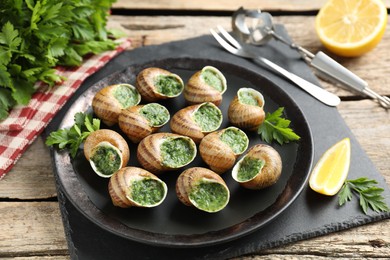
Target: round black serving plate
{"x":172,"y":224}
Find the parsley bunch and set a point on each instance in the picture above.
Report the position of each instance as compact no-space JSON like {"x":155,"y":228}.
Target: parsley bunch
{"x":73,"y":137}
{"x":37,"y":35}
{"x":275,"y":127}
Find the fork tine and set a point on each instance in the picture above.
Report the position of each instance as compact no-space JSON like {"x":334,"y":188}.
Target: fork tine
{"x":228,"y":37}
{"x":224,"y":44}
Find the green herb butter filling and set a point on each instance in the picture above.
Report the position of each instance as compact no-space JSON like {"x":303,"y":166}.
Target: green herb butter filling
{"x":209,"y":196}
{"x":249,"y":167}
{"x":156,"y":114}
{"x":236,"y":139}
{"x":177,"y":152}
{"x":208,"y":117}
{"x":213,"y":79}
{"x":126,"y":95}
{"x":168,"y":85}
{"x":147,"y":192}
{"x":247,"y":97}
{"x":106,"y":159}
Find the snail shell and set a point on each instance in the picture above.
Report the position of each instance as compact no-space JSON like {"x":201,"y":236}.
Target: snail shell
{"x":220,"y":149}
{"x":196,"y":121}
{"x":246,"y":109}
{"x":165,"y":151}
{"x":137,"y":122}
{"x":107,"y":151}
{"x":156,"y":84}
{"x":263,"y":162}
{"x":202,"y":188}
{"x":206,"y":85}
{"x":109,"y":101}
{"x":136,"y":187}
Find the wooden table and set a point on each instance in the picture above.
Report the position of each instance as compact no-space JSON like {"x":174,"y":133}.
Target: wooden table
{"x":30,"y":221}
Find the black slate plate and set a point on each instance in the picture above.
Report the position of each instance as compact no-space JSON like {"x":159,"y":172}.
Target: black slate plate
{"x":173,"y":224}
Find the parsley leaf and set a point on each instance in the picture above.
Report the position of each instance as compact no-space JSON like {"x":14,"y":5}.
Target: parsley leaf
{"x":10,"y":36}
{"x":275,"y":127}
{"x":6,"y":101}
{"x":73,"y":137}
{"x":369,"y":194}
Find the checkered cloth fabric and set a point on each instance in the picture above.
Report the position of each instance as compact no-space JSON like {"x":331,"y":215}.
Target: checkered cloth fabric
{"x":25,"y":123}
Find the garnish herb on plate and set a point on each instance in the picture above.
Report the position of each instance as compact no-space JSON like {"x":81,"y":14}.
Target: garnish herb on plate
{"x":36,"y":36}
{"x":369,"y":194}
{"x":73,"y":137}
{"x":275,"y":127}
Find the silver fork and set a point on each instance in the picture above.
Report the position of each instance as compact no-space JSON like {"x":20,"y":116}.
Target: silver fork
{"x":234,"y":47}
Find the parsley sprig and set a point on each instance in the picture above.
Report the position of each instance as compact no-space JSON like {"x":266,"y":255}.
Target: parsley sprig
{"x":275,"y":127}
{"x":369,"y":194}
{"x":73,"y":137}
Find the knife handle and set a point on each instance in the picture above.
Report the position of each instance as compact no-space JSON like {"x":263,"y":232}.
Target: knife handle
{"x":330,"y":69}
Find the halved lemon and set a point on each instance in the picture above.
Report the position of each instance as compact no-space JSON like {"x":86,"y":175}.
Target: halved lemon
{"x":331,"y":170}
{"x":351,"y":28}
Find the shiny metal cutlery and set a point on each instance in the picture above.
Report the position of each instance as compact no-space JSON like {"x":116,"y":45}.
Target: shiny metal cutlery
{"x":234,"y":47}
{"x":257,"y":28}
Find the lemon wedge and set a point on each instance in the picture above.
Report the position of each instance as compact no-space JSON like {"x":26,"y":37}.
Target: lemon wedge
{"x":351,"y":28}
{"x":331,"y":170}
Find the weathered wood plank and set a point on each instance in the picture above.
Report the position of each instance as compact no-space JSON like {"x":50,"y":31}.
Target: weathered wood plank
{"x":32,"y":176}
{"x":31,"y":229}
{"x":45,"y":236}
{"x":162,"y":29}
{"x":222,"y":5}
{"x":371,"y":126}
{"x":62,"y":257}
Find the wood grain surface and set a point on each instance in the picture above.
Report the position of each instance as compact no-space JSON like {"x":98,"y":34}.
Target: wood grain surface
{"x":223,"y":5}
{"x":30,"y":221}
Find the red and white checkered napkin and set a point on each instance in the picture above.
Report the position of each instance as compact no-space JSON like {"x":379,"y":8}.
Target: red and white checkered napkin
{"x":25,"y":123}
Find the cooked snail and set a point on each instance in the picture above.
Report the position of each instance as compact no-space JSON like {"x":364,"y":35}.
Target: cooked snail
{"x":107,"y":151}
{"x":246,"y":109}
{"x":109,"y":101}
{"x":137,"y":122}
{"x":202,"y":188}
{"x":197,"y":120}
{"x":220,"y":149}
{"x":259,"y":168}
{"x":206,"y":85}
{"x":155,"y":84}
{"x":165,"y":151}
{"x":136,"y":187}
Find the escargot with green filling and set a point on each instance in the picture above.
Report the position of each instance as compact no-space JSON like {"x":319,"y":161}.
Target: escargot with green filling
{"x":136,"y":187}
{"x":261,"y":167}
{"x":155,"y":84}
{"x":246,"y":109}
{"x":107,"y":151}
{"x":196,"y":121}
{"x":220,"y":149}
{"x":161,"y":152}
{"x":108,"y":102}
{"x":137,"y":122}
{"x":206,"y":85}
{"x":203,"y":189}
